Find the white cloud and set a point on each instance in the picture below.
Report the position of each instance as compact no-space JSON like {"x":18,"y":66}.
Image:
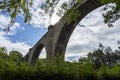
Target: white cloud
{"x":43,"y":19}
{"x":5,"y":21}
{"x":86,"y":39}
{"x":5,"y":41}
{"x":43,"y":54}
{"x":19,"y":46}
{"x":88,"y":35}
{"x":38,"y":19}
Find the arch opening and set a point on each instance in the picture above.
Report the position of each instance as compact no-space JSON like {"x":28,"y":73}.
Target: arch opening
{"x":42,"y":54}
{"x":67,"y":29}
{"x":37,"y":52}
{"x":89,"y":33}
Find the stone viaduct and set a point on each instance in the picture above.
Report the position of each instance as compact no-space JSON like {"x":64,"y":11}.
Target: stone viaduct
{"x":58,"y":35}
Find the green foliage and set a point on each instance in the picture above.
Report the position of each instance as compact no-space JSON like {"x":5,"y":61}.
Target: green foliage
{"x":115,"y":71}
{"x":81,"y":70}
{"x":71,"y":71}
{"x":16,"y":56}
{"x":3,"y":50}
{"x":3,"y":53}
{"x":72,"y":16}
{"x":103,"y":56}
{"x":111,"y":15}
{"x":106,"y":73}
{"x":16,"y":7}
{"x":49,"y":6}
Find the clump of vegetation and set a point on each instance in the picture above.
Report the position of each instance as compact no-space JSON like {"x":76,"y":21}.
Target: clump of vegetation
{"x":101,"y":64}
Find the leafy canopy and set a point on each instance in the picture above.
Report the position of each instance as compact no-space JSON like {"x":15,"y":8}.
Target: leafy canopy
{"x":112,"y":15}
{"x":18,"y":7}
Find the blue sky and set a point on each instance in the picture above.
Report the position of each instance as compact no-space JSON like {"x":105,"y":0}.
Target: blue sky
{"x":29,"y":34}
{"x":83,"y":40}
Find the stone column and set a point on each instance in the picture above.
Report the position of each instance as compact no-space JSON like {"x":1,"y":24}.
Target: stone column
{"x":49,"y":45}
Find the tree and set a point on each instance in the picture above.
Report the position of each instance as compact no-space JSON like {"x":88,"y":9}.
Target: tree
{"x":3,"y":53}
{"x":16,"y":7}
{"x":15,"y":56}
{"x":3,"y":50}
{"x":103,"y":56}
{"x":83,"y":60}
{"x":97,"y":58}
{"x":112,"y":15}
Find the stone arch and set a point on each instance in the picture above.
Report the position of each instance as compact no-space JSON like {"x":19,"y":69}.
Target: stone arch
{"x":86,"y":7}
{"x":56,"y":39}
{"x":36,"y":52}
